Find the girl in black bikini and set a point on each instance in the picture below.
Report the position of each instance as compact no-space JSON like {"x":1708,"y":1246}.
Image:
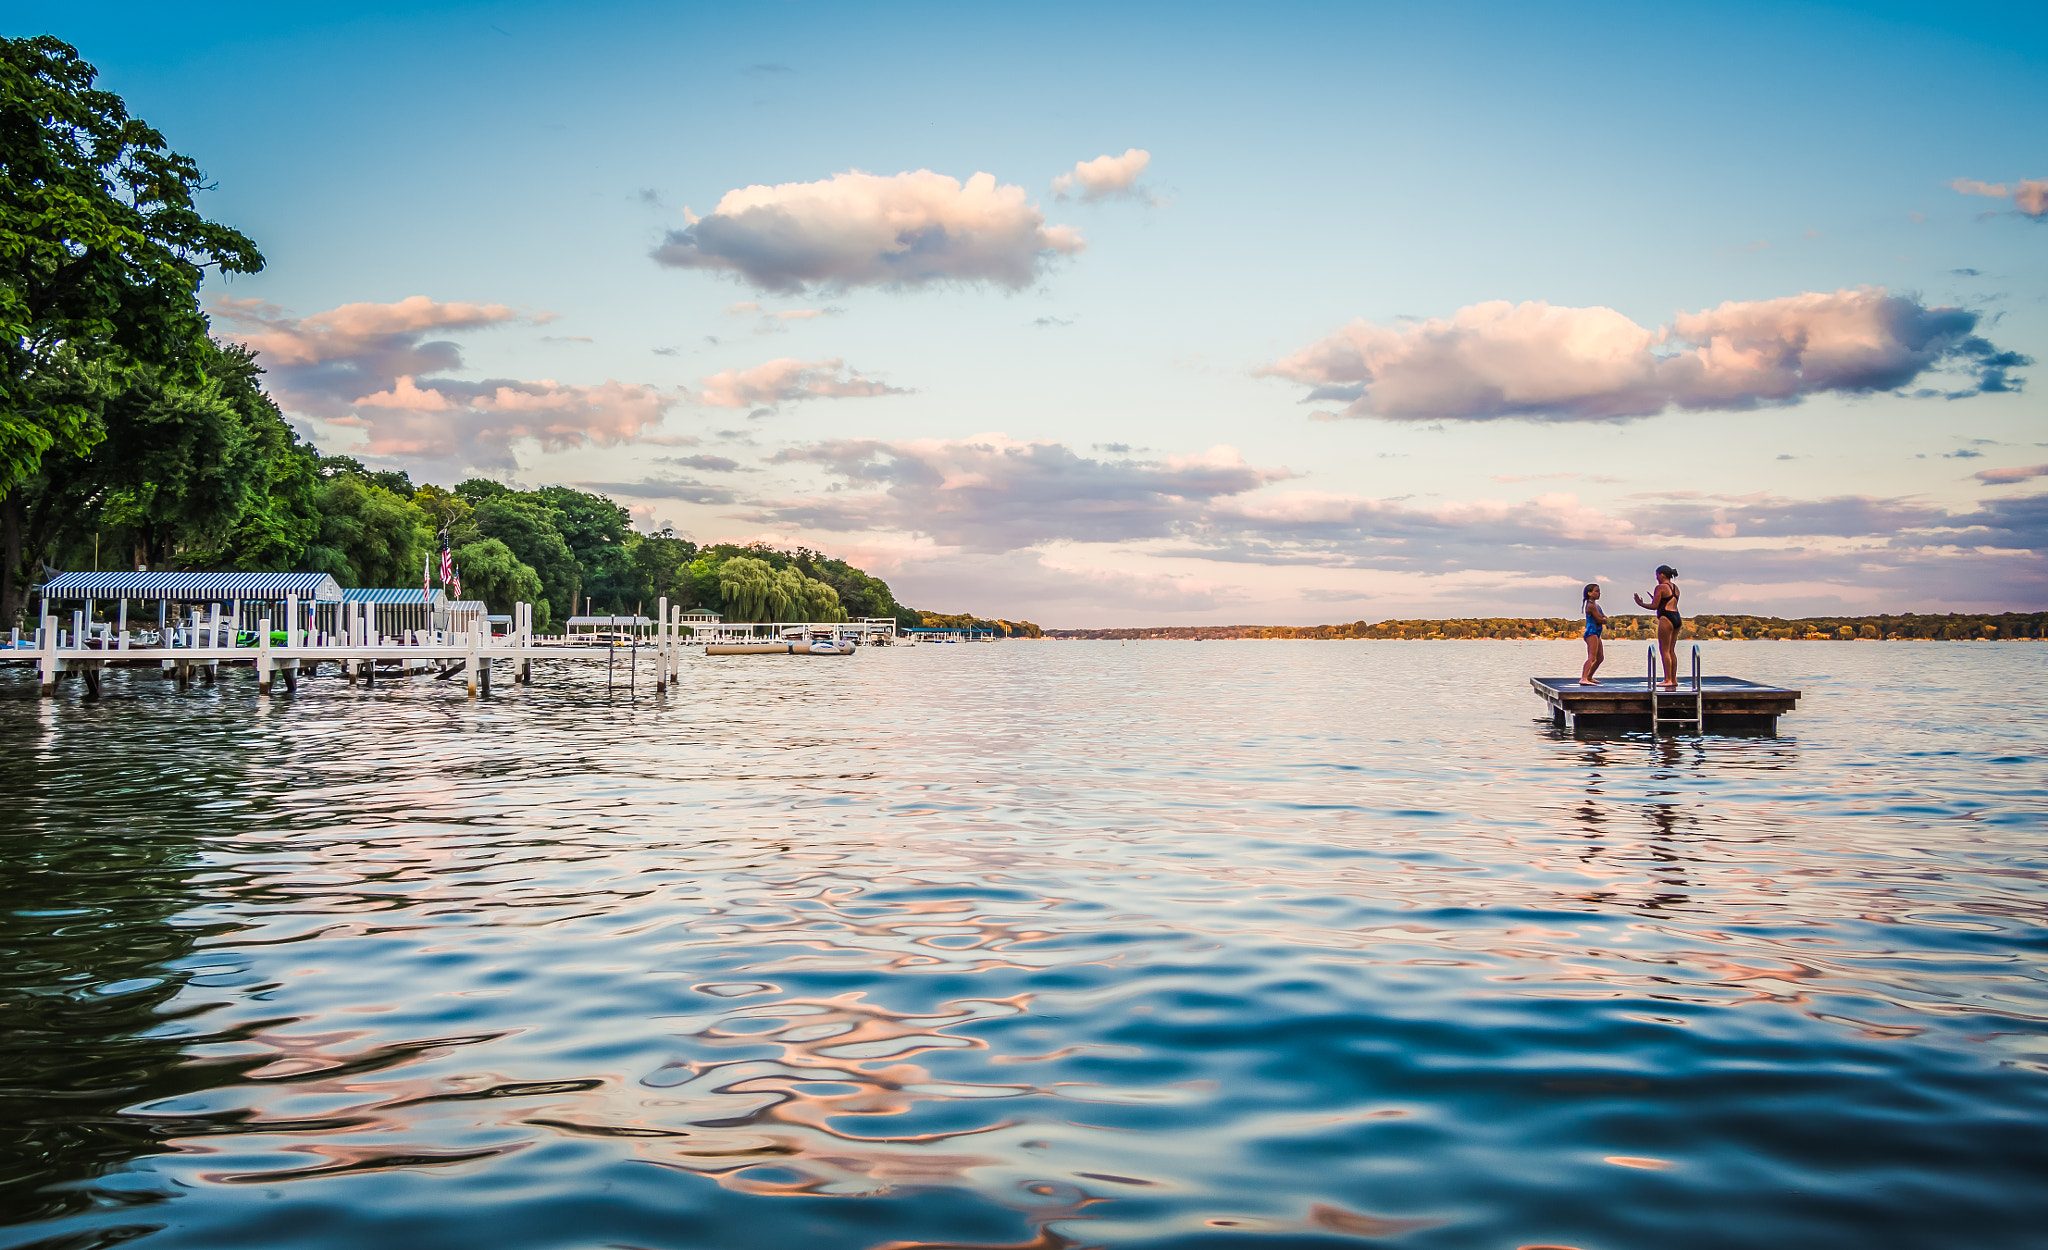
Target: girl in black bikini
{"x":1664,"y":602}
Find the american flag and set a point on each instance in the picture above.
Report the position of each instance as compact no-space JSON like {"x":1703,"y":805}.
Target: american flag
{"x":458,"y":583}
{"x":447,"y":566}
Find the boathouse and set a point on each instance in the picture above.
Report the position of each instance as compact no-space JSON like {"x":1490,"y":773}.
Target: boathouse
{"x":248,"y":597}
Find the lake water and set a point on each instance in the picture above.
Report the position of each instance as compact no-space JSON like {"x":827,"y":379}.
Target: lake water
{"x":1233,"y":945}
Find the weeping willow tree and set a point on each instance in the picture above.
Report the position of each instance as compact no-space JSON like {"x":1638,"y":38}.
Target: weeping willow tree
{"x":744,"y":584}
{"x":754,"y":590}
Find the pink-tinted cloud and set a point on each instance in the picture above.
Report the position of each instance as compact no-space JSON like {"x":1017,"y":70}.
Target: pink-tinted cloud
{"x":859,"y":229}
{"x":2000,"y":477}
{"x":779,"y":320}
{"x":1104,"y":177}
{"x":2029,"y":196}
{"x":351,"y":331}
{"x":369,"y":367}
{"x":1544,"y":362}
{"x":994,"y":493}
{"x":787,"y":380}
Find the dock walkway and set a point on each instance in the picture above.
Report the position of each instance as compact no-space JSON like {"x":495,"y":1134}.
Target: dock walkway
{"x":359,"y":653}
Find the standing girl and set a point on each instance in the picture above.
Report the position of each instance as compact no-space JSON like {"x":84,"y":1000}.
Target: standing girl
{"x":1664,"y":602}
{"x":1596,"y":623}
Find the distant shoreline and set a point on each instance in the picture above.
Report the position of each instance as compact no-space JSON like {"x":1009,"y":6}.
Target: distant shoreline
{"x":1906,"y":627}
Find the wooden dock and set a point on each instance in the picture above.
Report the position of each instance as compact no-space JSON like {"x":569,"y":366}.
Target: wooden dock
{"x":1699,"y":705}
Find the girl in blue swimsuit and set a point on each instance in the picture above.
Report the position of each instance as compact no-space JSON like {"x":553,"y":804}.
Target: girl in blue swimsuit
{"x":1596,"y":624}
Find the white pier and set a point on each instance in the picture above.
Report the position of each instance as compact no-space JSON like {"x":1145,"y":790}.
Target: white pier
{"x":198,"y":650}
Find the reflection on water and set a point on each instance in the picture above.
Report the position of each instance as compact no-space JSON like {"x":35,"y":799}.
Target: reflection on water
{"x":1030,"y":945}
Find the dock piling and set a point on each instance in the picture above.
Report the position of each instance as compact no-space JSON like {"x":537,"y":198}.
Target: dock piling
{"x":48,"y":640}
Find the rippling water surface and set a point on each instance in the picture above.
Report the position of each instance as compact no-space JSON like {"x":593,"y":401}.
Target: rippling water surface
{"x":1030,"y":945}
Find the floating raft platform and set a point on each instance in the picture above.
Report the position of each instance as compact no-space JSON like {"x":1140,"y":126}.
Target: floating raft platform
{"x":1714,"y":705}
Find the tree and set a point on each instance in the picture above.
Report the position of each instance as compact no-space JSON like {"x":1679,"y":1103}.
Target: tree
{"x":595,"y":529}
{"x":379,"y":538}
{"x":527,"y":527}
{"x":478,"y":489}
{"x":101,"y":248}
{"x":661,"y":567}
{"x":746,"y":586}
{"x":449,"y":513}
{"x":279,"y":521}
{"x":491,"y":572}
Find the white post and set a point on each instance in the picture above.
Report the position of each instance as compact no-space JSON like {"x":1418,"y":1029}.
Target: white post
{"x":469,"y":660}
{"x":291,"y":621}
{"x":263,"y":656}
{"x":49,"y":656}
{"x":661,"y":646}
{"x":124,"y":624}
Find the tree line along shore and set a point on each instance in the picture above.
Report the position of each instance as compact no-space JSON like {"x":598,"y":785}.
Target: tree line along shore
{"x":1906,"y":627}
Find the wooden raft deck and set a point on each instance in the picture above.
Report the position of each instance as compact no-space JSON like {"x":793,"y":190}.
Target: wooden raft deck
{"x":1720,"y":705}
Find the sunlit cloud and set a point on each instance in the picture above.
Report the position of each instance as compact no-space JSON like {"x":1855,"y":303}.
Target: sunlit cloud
{"x":787,"y":380}
{"x":1105,"y":177}
{"x":368,"y":368}
{"x":1544,"y":362}
{"x":994,"y":493}
{"x":2000,"y":477}
{"x":857,"y":229}
{"x":2029,"y":196}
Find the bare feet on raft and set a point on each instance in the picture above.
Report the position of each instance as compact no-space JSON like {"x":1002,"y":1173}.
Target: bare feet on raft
{"x":1589,"y":681}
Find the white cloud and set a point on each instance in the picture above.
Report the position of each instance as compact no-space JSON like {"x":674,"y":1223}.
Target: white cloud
{"x":1105,"y":177}
{"x":786,"y":380}
{"x":2029,"y":196}
{"x":1545,"y":362}
{"x":858,"y":229}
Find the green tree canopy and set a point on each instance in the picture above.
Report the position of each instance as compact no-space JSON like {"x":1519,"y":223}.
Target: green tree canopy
{"x":491,"y":572}
{"x":380,"y":538}
{"x":595,"y":529}
{"x":101,"y":247}
{"x":527,"y":527}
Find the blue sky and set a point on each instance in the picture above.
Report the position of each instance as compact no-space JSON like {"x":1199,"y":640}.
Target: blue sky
{"x":1114,"y":430}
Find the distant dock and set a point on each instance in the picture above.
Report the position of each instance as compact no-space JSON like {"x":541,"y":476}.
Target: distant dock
{"x":1698,"y":705}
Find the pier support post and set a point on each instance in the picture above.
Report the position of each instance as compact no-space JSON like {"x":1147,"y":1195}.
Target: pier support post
{"x":263,"y":661}
{"x":526,"y":644}
{"x":661,"y":648}
{"x":469,"y":661}
{"x":49,"y":657}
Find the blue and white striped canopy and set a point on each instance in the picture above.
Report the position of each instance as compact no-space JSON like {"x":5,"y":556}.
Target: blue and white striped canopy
{"x":194,"y":587}
{"x":396,"y":594}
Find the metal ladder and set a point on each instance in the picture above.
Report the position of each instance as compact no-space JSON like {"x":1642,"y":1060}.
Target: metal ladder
{"x":1698,"y":719}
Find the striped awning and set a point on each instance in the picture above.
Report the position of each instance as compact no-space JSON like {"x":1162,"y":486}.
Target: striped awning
{"x":468,"y":605}
{"x":194,"y":587}
{"x":396,"y":594}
